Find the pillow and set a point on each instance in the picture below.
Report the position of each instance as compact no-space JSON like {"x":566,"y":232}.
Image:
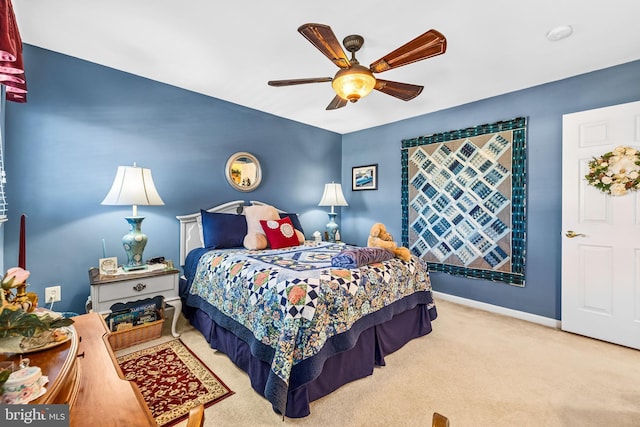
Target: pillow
{"x":255,"y":238}
{"x":221,"y":230}
{"x":280,"y":233}
{"x":294,"y":220}
{"x":296,"y":224}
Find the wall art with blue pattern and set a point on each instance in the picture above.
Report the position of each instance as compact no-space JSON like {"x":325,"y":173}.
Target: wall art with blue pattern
{"x":464,"y":200}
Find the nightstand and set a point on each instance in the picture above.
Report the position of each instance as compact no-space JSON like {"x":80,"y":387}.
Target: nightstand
{"x":123,"y":286}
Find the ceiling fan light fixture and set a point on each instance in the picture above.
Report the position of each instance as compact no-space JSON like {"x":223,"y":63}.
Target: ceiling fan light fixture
{"x":353,"y":83}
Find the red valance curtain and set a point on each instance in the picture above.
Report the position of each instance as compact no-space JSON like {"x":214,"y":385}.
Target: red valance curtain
{"x":11,"y":67}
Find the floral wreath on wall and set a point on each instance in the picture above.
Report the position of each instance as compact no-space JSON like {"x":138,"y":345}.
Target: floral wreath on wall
{"x":616,"y":172}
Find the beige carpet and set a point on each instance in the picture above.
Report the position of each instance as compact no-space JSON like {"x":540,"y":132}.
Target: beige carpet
{"x":477,"y":368}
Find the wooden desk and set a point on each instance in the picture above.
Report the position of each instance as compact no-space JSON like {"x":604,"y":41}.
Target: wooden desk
{"x":84,"y":373}
{"x":60,"y":365}
{"x":104,"y":397}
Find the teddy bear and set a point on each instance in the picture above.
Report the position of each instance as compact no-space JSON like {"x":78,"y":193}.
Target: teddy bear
{"x":380,"y":238}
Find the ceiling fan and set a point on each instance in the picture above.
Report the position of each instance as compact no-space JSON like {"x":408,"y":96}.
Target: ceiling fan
{"x":353,"y":81}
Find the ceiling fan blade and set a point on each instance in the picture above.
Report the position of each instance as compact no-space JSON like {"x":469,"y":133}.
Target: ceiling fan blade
{"x":292,"y":82}
{"x":429,"y":44}
{"x":336,"y":103}
{"x":323,"y":38}
{"x":402,"y":91}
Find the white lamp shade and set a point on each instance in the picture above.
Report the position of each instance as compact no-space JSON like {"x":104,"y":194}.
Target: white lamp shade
{"x":133,"y":186}
{"x":333,"y":196}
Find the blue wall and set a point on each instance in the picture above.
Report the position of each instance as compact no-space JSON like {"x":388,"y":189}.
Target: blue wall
{"x":544,"y":106}
{"x":82,"y":120}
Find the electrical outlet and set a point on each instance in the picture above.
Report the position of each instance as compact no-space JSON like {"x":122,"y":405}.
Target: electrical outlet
{"x":52,"y":294}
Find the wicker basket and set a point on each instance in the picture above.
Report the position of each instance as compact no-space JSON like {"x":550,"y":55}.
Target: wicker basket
{"x":136,"y":335}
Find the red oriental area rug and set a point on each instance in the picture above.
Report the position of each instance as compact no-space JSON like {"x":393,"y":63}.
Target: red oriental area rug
{"x":172,"y":380}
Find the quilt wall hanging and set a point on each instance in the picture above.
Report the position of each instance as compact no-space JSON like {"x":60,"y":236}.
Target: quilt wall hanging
{"x":464,"y":200}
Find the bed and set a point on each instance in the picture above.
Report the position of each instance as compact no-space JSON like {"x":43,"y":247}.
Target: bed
{"x":298,"y":326}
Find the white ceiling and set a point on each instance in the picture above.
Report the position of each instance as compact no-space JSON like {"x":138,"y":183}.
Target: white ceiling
{"x":229,"y":50}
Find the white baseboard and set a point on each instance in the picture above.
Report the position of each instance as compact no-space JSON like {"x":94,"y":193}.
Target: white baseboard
{"x":534,"y":318}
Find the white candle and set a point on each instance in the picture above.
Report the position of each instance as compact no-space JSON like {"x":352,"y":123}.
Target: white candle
{"x":104,"y":249}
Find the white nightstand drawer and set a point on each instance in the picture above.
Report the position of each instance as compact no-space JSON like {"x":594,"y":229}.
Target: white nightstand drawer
{"x":142,"y":287}
{"x":156,"y":280}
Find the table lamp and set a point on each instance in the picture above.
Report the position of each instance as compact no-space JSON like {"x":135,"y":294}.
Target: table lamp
{"x":332,"y":196}
{"x":133,"y":185}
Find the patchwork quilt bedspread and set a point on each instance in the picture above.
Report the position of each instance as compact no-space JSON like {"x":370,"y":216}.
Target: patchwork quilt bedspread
{"x":293,"y":301}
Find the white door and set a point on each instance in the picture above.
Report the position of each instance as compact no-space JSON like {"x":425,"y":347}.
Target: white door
{"x":600,"y":266}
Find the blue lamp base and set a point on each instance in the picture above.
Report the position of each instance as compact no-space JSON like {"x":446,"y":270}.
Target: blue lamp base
{"x":332,"y":227}
{"x":134,"y":242}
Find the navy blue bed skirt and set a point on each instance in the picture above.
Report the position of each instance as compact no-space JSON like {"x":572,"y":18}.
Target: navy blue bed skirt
{"x":372,"y":345}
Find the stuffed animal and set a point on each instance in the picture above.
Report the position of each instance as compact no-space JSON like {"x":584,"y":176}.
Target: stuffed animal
{"x":380,"y":238}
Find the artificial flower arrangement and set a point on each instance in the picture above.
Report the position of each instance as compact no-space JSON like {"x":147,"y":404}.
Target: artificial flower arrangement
{"x":16,"y":277}
{"x":16,"y":319}
{"x":616,"y":172}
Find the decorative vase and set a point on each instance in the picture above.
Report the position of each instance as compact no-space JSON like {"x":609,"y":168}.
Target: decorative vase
{"x":134,"y":243}
{"x":332,"y":227}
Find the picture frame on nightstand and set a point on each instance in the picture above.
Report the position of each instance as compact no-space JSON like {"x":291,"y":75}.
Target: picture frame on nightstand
{"x":108,"y":266}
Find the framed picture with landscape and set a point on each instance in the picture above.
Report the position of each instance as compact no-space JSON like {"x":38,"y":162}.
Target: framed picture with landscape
{"x":364,"y":177}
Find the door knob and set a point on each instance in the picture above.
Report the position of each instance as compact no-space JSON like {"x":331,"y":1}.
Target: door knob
{"x":571,"y":234}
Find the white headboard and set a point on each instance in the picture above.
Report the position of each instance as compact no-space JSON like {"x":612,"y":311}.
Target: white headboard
{"x":191,"y":225}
